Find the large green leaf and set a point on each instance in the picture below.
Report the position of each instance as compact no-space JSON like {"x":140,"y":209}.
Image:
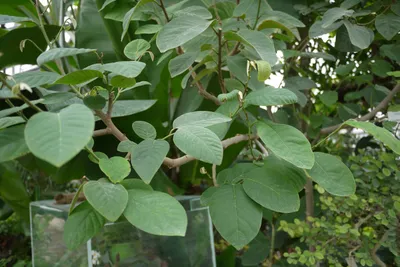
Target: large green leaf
{"x":10,"y":45}
{"x":270,"y":96}
{"x":333,"y":14}
{"x":263,"y":45}
{"x":329,"y":98}
{"x":200,"y":143}
{"x":57,"y":53}
{"x":130,"y":14}
{"x":281,"y":20}
{"x":130,"y":69}
{"x":82,"y":224}
{"x":199,"y":11}
{"x":181,"y":63}
{"x":144,"y":130}
{"x":9,"y":111}
{"x":332,"y":175}
{"x":129,"y":107}
{"x":79,"y":77}
{"x":136,"y":49}
{"x":10,"y":121}
{"x":156,"y":213}
{"x":379,"y":133}
{"x":200,"y":118}
{"x":360,"y":36}
{"x":36,"y":78}
{"x":108,"y":199}
{"x":12,"y":143}
{"x":236,"y":174}
{"x":258,"y":251}
{"x":116,"y":168}
{"x":136,"y":184}
{"x":287,"y":142}
{"x":270,"y":187}
{"x":388,"y":25}
{"x":236,"y":217}
{"x":317,"y":30}
{"x":148,"y":29}
{"x":147,"y":158}
{"x":180,"y":30}
{"x":58,"y":137}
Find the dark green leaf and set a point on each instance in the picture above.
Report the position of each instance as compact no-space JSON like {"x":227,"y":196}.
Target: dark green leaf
{"x":144,"y":130}
{"x":200,"y":118}
{"x":270,"y":96}
{"x":57,"y":53}
{"x":12,"y":143}
{"x":79,"y":77}
{"x":136,"y":49}
{"x":388,"y":25}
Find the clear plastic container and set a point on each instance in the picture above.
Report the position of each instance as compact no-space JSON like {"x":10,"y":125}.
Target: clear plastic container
{"x":121,"y":244}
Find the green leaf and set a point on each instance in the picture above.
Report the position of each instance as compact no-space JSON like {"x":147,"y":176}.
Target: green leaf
{"x":287,"y":143}
{"x":122,"y":81}
{"x":130,"y":69}
{"x":147,"y":158}
{"x":334,"y":14}
{"x":379,"y":133}
{"x":200,"y":118}
{"x":144,"y":130}
{"x":94,"y":102}
{"x":281,"y":20}
{"x":396,"y":8}
{"x":116,"y":168}
{"x":200,"y":143}
{"x":263,"y":69}
{"x":148,"y":29}
{"x":9,"y":111}
{"x":12,"y":143}
{"x":58,"y":137}
{"x":79,"y":77}
{"x":394,"y":73}
{"x":10,"y":121}
{"x":136,"y":49}
{"x":258,"y":251}
{"x":270,"y":96}
{"x":135,"y":184}
{"x":181,"y":63}
{"x":257,"y":40}
{"x":270,"y":187}
{"x":106,"y":3}
{"x":7,"y":19}
{"x":329,"y":98}
{"x":36,"y":78}
{"x":138,"y":84}
{"x":128,"y":16}
{"x":242,"y":8}
{"x":236,"y":174}
{"x":236,"y":217}
{"x":180,"y":30}
{"x":57,"y":53}
{"x":56,"y":98}
{"x":129,"y":107}
{"x":349,"y":3}
{"x":332,"y":175}
{"x":156,"y":213}
{"x":360,"y":36}
{"x":237,"y":66}
{"x":344,"y":70}
{"x":108,"y":199}
{"x":381,"y":68}
{"x":388,"y":25}
{"x":317,"y":30}
{"x":126,"y":146}
{"x":199,"y":11}
{"x":82,"y":224}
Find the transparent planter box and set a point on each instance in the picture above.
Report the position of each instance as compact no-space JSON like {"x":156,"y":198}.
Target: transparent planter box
{"x":121,"y":240}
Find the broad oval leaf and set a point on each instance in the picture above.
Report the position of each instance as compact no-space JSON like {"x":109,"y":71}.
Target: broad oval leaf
{"x":200,"y":118}
{"x":130,"y":69}
{"x":82,"y":224}
{"x":129,"y":107}
{"x":116,"y":168}
{"x":181,"y":63}
{"x":236,"y":217}
{"x":287,"y":143}
{"x":57,"y":53}
{"x":56,"y":98}
{"x":79,"y":77}
{"x":270,"y":187}
{"x":360,"y":36}
{"x":199,"y":11}
{"x":180,"y":30}
{"x":36,"y":78}
{"x":8,"y":19}
{"x":236,"y":173}
{"x":144,"y":130}
{"x":317,"y":30}
{"x":58,"y":137}
{"x":122,"y":81}
{"x":270,"y":96}
{"x":147,"y":158}
{"x":388,"y":25}
{"x":126,"y":146}
{"x":136,"y":184}
{"x":156,"y":213}
{"x":263,"y":69}
{"x":10,"y":121}
{"x":108,"y":199}
{"x":12,"y":143}
{"x":136,"y":49}
{"x":148,"y":29}
{"x":200,"y":143}
{"x":332,"y":175}
{"x":379,"y":133}
{"x":95,"y":101}
{"x":334,"y":14}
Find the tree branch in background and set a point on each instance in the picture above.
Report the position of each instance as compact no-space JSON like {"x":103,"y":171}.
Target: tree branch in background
{"x":382,"y":105}
{"x":220,"y":77}
{"x":375,"y":257}
{"x":102,"y":132}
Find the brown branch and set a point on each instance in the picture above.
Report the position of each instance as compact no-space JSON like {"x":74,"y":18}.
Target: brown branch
{"x":110,"y":104}
{"x":375,"y":257}
{"x":164,"y":10}
{"x":111,"y":126}
{"x":220,"y":77}
{"x":173,"y":163}
{"x":382,"y":105}
{"x":102,"y":132}
{"x":235,"y":49}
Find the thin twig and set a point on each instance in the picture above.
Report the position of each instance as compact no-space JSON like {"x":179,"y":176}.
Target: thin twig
{"x":164,"y":10}
{"x":102,"y":132}
{"x":214,"y":175}
{"x":110,"y":104}
{"x":220,"y":76}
